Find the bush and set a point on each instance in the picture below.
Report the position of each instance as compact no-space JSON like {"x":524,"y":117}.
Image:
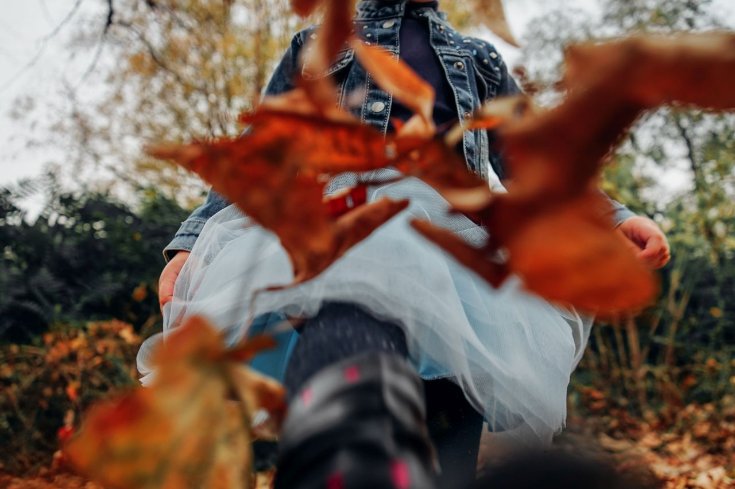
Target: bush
{"x":87,"y":257}
{"x":64,"y":371}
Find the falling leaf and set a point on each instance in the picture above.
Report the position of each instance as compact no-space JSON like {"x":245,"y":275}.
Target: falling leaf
{"x":398,"y":79}
{"x":300,"y":102}
{"x":554,"y":153}
{"x":140,"y":293}
{"x":575,"y":241}
{"x":436,"y":163}
{"x":492,"y":13}
{"x":477,"y":260}
{"x":273,"y":175}
{"x":183,"y":431}
{"x":556,"y":252}
{"x":331,"y":37}
{"x":304,"y":8}
{"x":547,"y":223}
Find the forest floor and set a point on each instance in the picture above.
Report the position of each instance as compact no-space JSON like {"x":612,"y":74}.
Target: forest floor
{"x":682,"y":446}
{"x":696,"y":451}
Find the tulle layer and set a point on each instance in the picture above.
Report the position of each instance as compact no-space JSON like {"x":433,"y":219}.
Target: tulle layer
{"x":510,"y":351}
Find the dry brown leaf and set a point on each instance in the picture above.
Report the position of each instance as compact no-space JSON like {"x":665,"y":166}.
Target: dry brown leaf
{"x":435,"y":163}
{"x":316,"y":58}
{"x":492,"y":14}
{"x":274,"y":174}
{"x":301,"y":102}
{"x":181,"y":432}
{"x":259,"y":392}
{"x":557,"y":152}
{"x":571,"y":254}
{"x":304,"y":8}
{"x":492,"y":115}
{"x":323,"y":144}
{"x":398,"y":79}
{"x":555,"y":156}
{"x":492,"y":270}
{"x":567,"y":253}
{"x":416,"y":127}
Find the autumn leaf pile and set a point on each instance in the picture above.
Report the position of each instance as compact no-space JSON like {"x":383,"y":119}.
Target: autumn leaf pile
{"x":689,"y":447}
{"x":65,"y":373}
{"x":193,"y":427}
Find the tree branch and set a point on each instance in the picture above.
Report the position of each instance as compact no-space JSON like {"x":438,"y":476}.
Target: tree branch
{"x":110,"y":16}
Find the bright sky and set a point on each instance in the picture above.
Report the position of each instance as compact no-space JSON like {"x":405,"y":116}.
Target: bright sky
{"x":29,"y":64}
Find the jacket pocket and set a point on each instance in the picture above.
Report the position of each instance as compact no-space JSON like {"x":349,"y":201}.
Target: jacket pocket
{"x":487,"y":77}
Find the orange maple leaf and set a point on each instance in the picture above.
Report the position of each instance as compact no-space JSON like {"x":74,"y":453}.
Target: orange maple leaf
{"x":183,"y":431}
{"x":270,"y":175}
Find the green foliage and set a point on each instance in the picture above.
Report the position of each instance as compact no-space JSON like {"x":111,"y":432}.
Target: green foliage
{"x":680,"y":349}
{"x":85,"y":258}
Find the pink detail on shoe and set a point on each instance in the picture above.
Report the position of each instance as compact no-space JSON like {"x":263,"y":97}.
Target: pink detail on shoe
{"x":352,"y":374}
{"x":306,"y":396}
{"x":335,"y":481}
{"x":400,"y":474}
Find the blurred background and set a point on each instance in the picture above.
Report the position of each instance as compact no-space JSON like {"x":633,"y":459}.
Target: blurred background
{"x":84,"y":214}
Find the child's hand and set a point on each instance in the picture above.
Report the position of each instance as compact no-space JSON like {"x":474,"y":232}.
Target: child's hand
{"x":647,"y":240}
{"x":168,"y":277}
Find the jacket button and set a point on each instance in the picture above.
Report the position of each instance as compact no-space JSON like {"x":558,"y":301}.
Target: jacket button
{"x":377,"y":107}
{"x":459,"y":65}
{"x":388,"y":24}
{"x":493,"y":55}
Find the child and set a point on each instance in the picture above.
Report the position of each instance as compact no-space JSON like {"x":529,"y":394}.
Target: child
{"x":394,"y":305}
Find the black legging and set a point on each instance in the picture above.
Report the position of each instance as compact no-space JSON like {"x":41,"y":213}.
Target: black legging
{"x":341,"y":331}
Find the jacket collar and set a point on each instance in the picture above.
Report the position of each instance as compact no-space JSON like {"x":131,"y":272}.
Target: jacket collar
{"x":384,"y":9}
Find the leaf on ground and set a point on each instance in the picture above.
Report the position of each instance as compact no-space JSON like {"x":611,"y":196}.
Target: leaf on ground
{"x":492,"y":14}
{"x":180,"y":432}
{"x":260,"y":393}
{"x":397,"y":78}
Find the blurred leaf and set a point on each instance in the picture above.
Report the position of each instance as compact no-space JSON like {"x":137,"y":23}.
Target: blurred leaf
{"x":182,"y":431}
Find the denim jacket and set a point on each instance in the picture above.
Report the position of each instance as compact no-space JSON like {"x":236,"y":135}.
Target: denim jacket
{"x":474,"y":70}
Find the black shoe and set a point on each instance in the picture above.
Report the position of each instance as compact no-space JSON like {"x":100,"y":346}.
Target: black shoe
{"x":357,"y":424}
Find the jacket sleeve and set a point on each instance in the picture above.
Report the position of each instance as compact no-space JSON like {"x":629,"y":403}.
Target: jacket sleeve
{"x":508,"y":87}
{"x":281,"y":81}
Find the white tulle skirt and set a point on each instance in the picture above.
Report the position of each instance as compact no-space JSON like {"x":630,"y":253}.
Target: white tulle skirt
{"x":511,"y":352}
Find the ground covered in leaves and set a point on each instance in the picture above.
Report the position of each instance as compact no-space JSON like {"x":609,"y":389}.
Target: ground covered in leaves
{"x":690,"y":446}
{"x":696,"y":450}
